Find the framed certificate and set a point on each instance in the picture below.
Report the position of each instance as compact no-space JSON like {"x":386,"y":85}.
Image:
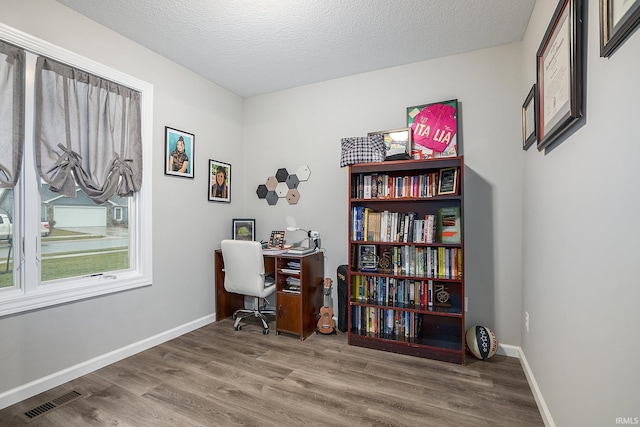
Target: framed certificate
{"x":618,"y":20}
{"x":529,"y":119}
{"x":560,"y":66}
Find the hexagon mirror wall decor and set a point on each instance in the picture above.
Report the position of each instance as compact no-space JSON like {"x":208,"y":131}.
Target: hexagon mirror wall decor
{"x":283,"y":185}
{"x":293,"y":196}
{"x":281,"y":189}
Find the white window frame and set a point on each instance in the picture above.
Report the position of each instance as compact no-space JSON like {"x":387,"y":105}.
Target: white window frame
{"x":31,"y":293}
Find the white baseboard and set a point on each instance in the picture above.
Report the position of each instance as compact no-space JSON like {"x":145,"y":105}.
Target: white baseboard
{"x":515,"y":351}
{"x":40,"y":385}
{"x":537,"y":394}
{"x":508,"y":350}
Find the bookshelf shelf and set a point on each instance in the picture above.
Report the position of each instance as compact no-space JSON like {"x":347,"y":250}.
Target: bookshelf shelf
{"x":436,"y":343}
{"x":410,"y":298}
{"x":406,"y":199}
{"x":434,"y":311}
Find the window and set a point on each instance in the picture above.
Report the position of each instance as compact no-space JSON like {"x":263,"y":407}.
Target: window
{"x":118,"y":214}
{"x":66,"y":247}
{"x":82,"y":239}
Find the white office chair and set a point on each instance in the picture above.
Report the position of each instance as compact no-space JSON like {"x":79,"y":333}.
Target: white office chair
{"x":244,"y":274}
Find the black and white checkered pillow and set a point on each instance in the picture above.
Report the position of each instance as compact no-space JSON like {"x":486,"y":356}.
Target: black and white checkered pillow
{"x":365,"y":149}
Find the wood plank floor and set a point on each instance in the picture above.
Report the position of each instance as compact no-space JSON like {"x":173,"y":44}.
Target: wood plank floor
{"x":215,"y":376}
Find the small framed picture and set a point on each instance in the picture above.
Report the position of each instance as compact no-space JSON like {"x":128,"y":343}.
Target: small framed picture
{"x":243,"y":229}
{"x":220,"y":181}
{"x":367,"y":259}
{"x":179,"y":148}
{"x":441,"y":295}
{"x":385,"y":258}
{"x":276,"y":241}
{"x":448,"y":181}
{"x":397,"y":143}
{"x":529,"y":119}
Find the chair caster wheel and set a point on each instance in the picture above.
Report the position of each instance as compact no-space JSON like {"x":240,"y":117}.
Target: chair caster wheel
{"x":265,"y":332}
{"x":237,"y":328}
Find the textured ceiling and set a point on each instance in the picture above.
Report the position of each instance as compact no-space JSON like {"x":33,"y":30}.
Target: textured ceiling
{"x":261,"y":46}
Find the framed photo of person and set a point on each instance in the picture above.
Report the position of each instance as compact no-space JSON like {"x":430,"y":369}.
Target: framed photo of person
{"x":276,"y":241}
{"x":179,"y":148}
{"x":243,"y":229}
{"x":219,"y":181}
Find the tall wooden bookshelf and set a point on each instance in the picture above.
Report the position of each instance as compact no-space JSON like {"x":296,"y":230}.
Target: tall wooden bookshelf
{"x":405,"y":275}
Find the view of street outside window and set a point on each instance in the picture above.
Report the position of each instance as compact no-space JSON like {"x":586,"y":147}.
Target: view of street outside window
{"x":78,"y":237}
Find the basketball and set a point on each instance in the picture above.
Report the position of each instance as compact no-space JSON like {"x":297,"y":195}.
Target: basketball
{"x":481,"y":341}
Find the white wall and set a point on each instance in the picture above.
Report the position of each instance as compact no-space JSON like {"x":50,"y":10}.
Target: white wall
{"x":537,"y":235}
{"x":186,"y":226}
{"x":580,"y":242}
{"x":304,"y":126}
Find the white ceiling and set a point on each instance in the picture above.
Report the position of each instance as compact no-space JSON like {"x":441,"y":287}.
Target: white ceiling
{"x":253,"y":47}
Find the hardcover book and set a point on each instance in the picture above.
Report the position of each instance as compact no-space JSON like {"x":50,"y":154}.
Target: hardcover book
{"x":367,"y":187}
{"x":449,"y":225}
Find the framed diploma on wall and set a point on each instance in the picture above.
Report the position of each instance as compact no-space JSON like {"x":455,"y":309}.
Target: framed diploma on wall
{"x":618,"y":20}
{"x":560,"y":73}
{"x":529,"y":119}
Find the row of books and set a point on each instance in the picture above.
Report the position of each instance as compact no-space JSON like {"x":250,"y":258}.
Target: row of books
{"x":384,"y":186}
{"x":372,"y":226}
{"x":403,"y":293}
{"x":386,"y":323}
{"x":421,"y":261}
{"x":409,"y":227}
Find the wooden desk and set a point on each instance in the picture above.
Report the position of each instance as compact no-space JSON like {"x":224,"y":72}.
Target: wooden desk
{"x":296,"y":313}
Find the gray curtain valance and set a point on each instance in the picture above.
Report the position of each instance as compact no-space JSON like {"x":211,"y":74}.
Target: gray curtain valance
{"x":12,"y":95}
{"x":87,"y":133}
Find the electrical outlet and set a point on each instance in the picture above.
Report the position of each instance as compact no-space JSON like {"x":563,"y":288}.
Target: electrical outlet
{"x":466,"y":304}
{"x":526,"y":320}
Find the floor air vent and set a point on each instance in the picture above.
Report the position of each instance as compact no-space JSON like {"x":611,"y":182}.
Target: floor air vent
{"x":45,"y":408}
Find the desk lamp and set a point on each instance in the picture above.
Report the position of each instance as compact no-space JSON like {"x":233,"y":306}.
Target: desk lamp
{"x":312,"y":236}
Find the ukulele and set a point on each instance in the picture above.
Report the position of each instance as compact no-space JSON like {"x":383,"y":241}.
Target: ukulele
{"x":326,"y":325}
